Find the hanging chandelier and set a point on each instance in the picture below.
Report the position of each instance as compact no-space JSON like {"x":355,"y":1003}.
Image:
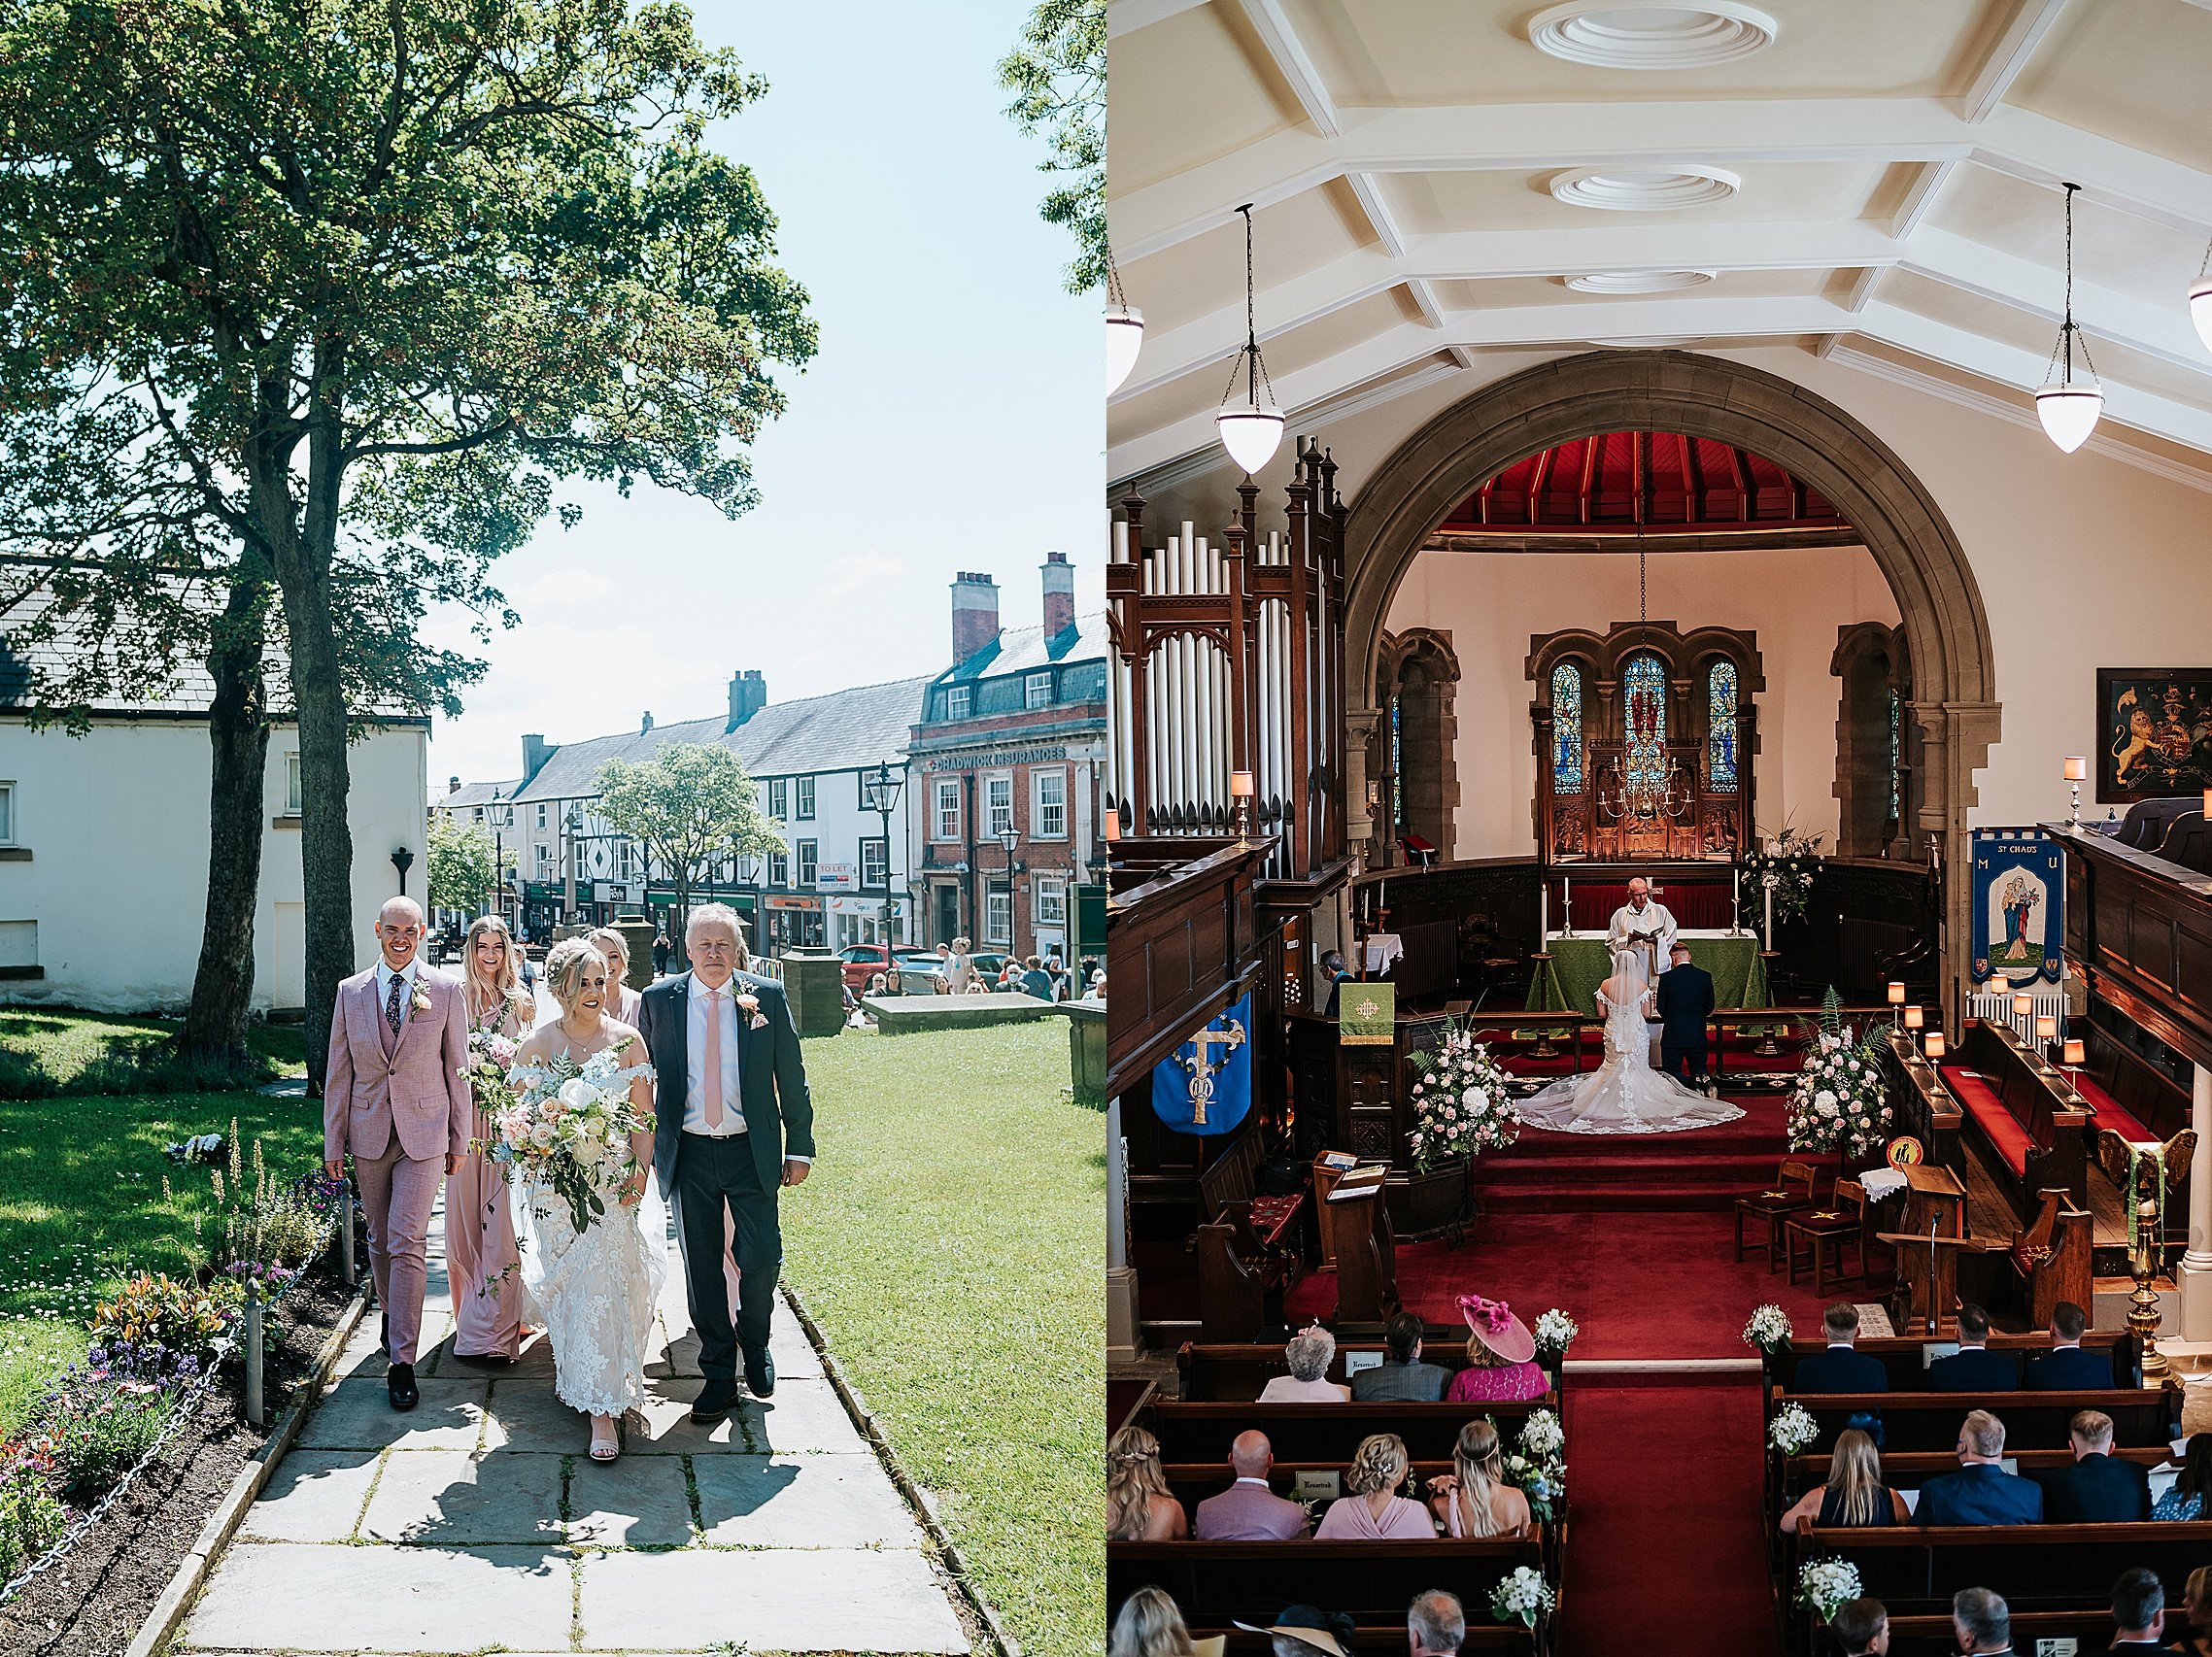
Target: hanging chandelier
{"x":2200,"y":299}
{"x":1251,"y":423}
{"x":1125,"y":329}
{"x":2067,"y":406}
{"x":1631,"y":793}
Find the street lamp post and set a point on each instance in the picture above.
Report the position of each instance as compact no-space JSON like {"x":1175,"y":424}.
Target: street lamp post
{"x":572,"y":823}
{"x":1009,"y":837}
{"x":880,"y":790}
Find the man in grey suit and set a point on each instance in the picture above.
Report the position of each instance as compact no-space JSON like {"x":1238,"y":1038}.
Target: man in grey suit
{"x":735,"y":1127}
{"x":1402,"y":1377}
{"x":1248,"y":1511}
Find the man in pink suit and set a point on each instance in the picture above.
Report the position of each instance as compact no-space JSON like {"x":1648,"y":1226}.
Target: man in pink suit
{"x":396,"y":1095}
{"x":1248,"y":1510}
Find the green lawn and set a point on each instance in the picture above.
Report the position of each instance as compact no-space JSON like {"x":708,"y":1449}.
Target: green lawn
{"x":952,"y":1245}
{"x":81,"y":1207}
{"x":46,"y":1052}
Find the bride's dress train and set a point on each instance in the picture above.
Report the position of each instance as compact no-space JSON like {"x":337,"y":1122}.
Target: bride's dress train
{"x":1625,"y":1095}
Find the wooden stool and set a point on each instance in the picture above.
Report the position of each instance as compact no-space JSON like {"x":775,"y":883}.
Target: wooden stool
{"x":1844,"y":1224}
{"x":1793,"y":1191}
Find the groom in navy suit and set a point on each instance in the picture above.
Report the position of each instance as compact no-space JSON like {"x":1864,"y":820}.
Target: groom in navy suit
{"x":1684,"y":1004}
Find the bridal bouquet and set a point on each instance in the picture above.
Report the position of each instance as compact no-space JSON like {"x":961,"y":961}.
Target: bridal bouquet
{"x":1460,"y":1102}
{"x":1840,"y":1101}
{"x":567,"y":1127}
{"x":491,"y":1056}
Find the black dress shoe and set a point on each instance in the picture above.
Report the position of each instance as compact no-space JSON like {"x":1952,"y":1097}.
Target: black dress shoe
{"x":400,"y":1382}
{"x":714,"y":1402}
{"x":761,"y":1373}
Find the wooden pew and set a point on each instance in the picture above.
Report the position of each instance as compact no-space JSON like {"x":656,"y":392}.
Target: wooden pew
{"x":1226,"y":1372}
{"x":2033,"y":1421}
{"x":2127,"y":1091}
{"x":1909,"y":1470}
{"x":2036,"y":1142}
{"x":1900,"y":1355}
{"x":1317,"y":1432}
{"x":1247,"y":1248}
{"x":1930,"y":1635}
{"x":1384,"y":1635}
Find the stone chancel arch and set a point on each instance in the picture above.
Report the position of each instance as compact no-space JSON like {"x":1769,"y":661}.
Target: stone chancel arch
{"x":1945,"y":627}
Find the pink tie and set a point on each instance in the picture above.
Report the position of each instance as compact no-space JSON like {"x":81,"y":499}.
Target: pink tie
{"x":710,"y":1084}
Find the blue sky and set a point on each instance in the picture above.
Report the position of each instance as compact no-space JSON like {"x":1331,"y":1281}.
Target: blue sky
{"x":953,"y":419}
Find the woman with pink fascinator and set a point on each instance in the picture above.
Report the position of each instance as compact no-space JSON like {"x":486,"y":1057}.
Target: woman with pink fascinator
{"x":1501,"y":1357}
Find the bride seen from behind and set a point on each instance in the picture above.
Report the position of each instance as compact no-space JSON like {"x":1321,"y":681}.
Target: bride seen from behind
{"x":1625,"y":1095}
{"x":594,"y":1290}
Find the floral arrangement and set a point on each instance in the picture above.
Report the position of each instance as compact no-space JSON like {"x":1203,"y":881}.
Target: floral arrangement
{"x":1462,"y":1105}
{"x":1522,"y":1597}
{"x":1554,"y":1332}
{"x":1783,"y":864}
{"x":568,"y":1128}
{"x":1841,"y":1102}
{"x":1791,"y":1429}
{"x":1767,"y":1329}
{"x":1536,"y":1466}
{"x":199,"y":1149}
{"x":1826,"y":1584}
{"x":491,"y":1056}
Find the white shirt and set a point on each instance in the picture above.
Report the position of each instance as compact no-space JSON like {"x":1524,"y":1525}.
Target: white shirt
{"x":725,"y":1007}
{"x":1654,"y":922}
{"x":384,"y":978}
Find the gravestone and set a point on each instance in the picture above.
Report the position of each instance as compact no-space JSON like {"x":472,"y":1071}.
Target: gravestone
{"x":815,"y":985}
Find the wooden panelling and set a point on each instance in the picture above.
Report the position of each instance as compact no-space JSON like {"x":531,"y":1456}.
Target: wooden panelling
{"x":2139,"y":931}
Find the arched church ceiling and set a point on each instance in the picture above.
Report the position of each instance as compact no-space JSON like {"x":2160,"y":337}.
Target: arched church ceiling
{"x":1663,"y":479}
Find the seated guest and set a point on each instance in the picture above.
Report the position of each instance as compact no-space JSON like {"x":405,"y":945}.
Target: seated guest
{"x":1402,"y":1377}
{"x":1473,"y":1499}
{"x":2067,"y":1367}
{"x":1149,"y":1625}
{"x":2099,"y":1488}
{"x":1854,"y":1494}
{"x":1333,"y":969}
{"x":1248,"y":1511}
{"x":2196,"y":1606}
{"x":1310,"y":1352}
{"x":1981,"y":1492}
{"x":1861,"y":1627}
{"x":2185,"y":1499}
{"x":1375,"y":1512}
{"x":1973,"y":1368}
{"x":2139,"y":1607}
{"x":1500,"y":1357}
{"x":1139,"y":1507}
{"x":1436,"y":1624}
{"x":1842,"y":1367}
{"x":1981,"y":1622}
{"x":1301,"y":1631}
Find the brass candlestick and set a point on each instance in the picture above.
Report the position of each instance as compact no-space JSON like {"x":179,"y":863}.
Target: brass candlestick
{"x":2143,"y":1303}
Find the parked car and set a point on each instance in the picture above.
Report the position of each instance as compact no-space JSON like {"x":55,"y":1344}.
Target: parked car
{"x":863,"y":962}
{"x":915,"y":973}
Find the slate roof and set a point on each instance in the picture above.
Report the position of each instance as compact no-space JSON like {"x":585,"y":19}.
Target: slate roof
{"x":471,"y":794}
{"x":1025,"y":647}
{"x":845,"y":730}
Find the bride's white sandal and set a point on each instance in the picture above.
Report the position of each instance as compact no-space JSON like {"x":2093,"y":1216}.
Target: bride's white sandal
{"x":610,"y":1448}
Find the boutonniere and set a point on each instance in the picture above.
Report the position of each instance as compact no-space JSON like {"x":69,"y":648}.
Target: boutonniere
{"x":755,"y":1018}
{"x":420,"y":1000}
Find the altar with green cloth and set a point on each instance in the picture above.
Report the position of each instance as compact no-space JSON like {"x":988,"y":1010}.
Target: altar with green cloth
{"x":1568,"y":982}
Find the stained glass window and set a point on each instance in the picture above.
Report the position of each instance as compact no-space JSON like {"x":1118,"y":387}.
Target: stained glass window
{"x":1566,"y":728}
{"x":1720,"y":728}
{"x":1896,"y":712}
{"x":1643,"y":700}
{"x":1397,"y":766}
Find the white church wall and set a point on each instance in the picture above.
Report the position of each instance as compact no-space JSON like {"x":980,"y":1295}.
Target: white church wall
{"x":2083,"y":561}
{"x":114,"y":888}
{"x":1491,"y":604}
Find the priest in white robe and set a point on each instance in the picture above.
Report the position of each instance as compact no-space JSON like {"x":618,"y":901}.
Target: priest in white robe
{"x":1644,"y":926}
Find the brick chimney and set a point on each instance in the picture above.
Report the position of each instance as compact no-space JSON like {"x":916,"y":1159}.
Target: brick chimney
{"x":1059,"y":595}
{"x":645,"y":725}
{"x":974,"y":615}
{"x":748,"y":695}
{"x":536,"y":752}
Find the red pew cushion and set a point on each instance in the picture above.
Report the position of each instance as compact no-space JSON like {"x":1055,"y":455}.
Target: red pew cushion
{"x":2111,"y":1113}
{"x":2007,"y":1137}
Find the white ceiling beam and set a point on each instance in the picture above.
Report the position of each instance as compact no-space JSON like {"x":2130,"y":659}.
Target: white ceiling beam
{"x":1126,"y":16}
{"x":1621,"y":241}
{"x":2009,"y":53}
{"x":1920,"y":195}
{"x":1367,"y":190}
{"x":1862,"y":286}
{"x":1425,"y":301}
{"x":1291,"y":60}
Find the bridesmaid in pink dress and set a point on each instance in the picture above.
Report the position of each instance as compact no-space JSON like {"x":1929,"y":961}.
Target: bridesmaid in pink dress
{"x":481,"y":1258}
{"x":1375,"y":1512}
{"x":1500,"y":1357}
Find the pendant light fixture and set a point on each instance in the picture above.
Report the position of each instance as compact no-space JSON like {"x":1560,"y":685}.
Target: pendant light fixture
{"x":1125,"y":329}
{"x":1251,"y":423}
{"x":2067,"y":406}
{"x":2200,"y":299}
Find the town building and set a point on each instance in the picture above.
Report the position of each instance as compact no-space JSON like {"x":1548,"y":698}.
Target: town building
{"x":1008,"y":757}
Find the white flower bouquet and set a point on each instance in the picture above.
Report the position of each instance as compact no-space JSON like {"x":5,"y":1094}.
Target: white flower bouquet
{"x":1536,"y":1464}
{"x":1826,"y":1584}
{"x":1461,"y":1101}
{"x":568,"y":1128}
{"x":1555,"y":1331}
{"x":1767,"y":1329}
{"x":1522,"y":1596}
{"x":1783,"y":864}
{"x":1841,"y":1102}
{"x":1792,"y":1429}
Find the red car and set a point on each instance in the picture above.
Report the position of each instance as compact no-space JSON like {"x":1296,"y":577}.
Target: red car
{"x":862,"y":962}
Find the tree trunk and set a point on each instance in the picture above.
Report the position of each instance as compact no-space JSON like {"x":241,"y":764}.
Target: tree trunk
{"x":238,"y":734}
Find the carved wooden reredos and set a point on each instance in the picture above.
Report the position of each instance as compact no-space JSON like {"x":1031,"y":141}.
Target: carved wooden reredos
{"x":1641,"y":695}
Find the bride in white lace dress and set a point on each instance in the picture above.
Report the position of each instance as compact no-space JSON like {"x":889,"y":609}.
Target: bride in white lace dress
{"x":1625,"y":1095}
{"x":595,"y":1290}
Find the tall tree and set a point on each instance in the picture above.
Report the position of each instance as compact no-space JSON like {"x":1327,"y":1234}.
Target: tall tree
{"x":692,"y":805}
{"x":380,"y":257}
{"x":461,"y":857}
{"x":1058,"y":76}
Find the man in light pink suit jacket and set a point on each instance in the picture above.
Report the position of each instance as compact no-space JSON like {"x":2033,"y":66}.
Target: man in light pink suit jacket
{"x":396,"y":1095}
{"x":1248,"y":1510}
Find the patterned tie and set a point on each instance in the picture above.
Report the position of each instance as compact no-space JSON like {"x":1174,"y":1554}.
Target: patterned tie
{"x":392,"y":1002}
{"x":710,"y":1081}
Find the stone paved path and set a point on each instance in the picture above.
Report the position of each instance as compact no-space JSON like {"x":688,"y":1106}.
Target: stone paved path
{"x":477,"y":1520}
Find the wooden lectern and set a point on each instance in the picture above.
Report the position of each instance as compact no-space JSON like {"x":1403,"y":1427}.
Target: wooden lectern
{"x":1367,"y":1263}
{"x":1929,"y":1241}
